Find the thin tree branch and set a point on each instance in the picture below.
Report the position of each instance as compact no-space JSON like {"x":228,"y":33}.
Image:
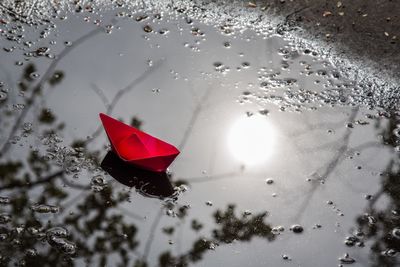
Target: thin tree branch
{"x":101,"y":94}
{"x":20,"y":184}
{"x":202,"y":179}
{"x":123,"y":91}
{"x":77,"y":186}
{"x":36,"y":89}
{"x":194,"y":118}
{"x":150,"y":239}
{"x":331,"y":166}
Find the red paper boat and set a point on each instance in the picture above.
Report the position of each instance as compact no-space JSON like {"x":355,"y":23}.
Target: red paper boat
{"x":137,"y":147}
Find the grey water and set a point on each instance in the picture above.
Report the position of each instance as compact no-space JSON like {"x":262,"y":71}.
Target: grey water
{"x":281,"y":164}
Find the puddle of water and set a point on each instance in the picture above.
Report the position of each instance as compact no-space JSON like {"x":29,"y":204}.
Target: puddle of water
{"x":278,"y":166}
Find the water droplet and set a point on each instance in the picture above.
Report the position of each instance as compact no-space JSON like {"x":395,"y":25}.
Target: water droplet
{"x":140,"y":18}
{"x":396,"y":233}
{"x":220,"y":67}
{"x":28,"y":43}
{"x":5,"y":218}
{"x":283,"y":51}
{"x":148,"y":28}
{"x":269,"y":181}
{"x":296,"y":228}
{"x":390,"y":253}
{"x":396,"y":132}
{"x":218,"y":64}
{"x":43,"y":208}
{"x":183,"y":188}
{"x":31,"y":252}
{"x":317,"y":226}
{"x":62,"y":245}
{"x":368,"y":197}
{"x":170,"y":213}
{"x":3,"y":96}
{"x":209,"y":203}
{"x":277,"y":229}
{"x":351,"y":241}
{"x":98,"y":183}
{"x":4,"y":200}
{"x":27,"y":126}
{"x":246,"y":65}
{"x":227,"y":44}
{"x":247,"y":213}
{"x":371,"y":219}
{"x":41,"y":51}
{"x":57,"y":231}
{"x":286,"y":257}
{"x":346,"y":259}
{"x":8,"y":49}
{"x":249,"y":113}
{"x":34,"y":75}
{"x":211,"y":245}
{"x":3,"y":237}
{"x":321,"y":72}
{"x":18,"y":106}
{"x":163,"y":31}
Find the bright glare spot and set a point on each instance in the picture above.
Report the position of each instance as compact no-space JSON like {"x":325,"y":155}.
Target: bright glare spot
{"x":251,"y":139}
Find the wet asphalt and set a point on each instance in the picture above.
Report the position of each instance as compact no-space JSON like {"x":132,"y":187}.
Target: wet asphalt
{"x":362,"y":30}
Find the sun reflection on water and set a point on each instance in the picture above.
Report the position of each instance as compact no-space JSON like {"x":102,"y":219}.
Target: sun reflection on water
{"x":251,"y":140}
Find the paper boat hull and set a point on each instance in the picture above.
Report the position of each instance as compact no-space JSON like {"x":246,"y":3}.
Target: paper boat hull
{"x":137,"y":147}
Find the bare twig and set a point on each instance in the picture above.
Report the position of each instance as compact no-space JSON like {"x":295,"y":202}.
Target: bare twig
{"x":20,"y":184}
{"x":296,"y":12}
{"x":365,"y":146}
{"x":31,"y":9}
{"x":202,"y":179}
{"x":150,"y":239}
{"x":194,"y":118}
{"x":122,"y":92}
{"x":30,"y":101}
{"x":8,"y":10}
{"x":319,"y":126}
{"x":331,"y":166}
{"x":101,"y":94}
{"x":130,"y":214}
{"x":77,"y":186}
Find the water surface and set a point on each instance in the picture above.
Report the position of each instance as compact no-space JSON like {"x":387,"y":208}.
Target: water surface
{"x":279,"y":165}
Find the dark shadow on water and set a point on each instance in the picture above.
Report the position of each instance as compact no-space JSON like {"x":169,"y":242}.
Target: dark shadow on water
{"x":148,"y":183}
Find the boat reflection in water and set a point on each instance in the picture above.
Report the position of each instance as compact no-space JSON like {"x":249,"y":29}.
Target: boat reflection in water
{"x":147,"y":183}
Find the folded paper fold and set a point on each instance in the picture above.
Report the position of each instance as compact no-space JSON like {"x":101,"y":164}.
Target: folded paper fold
{"x":137,"y":147}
